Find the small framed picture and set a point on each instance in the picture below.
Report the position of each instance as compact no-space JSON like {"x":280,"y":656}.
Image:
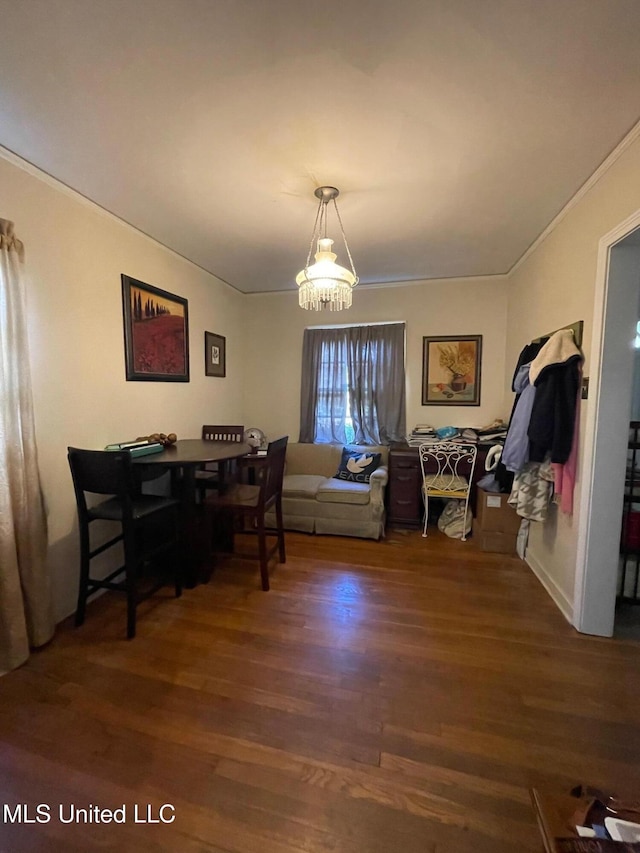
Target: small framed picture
{"x":215,"y":354}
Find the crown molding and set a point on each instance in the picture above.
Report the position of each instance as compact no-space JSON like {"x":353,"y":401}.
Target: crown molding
{"x":380,"y":285}
{"x":602,"y":169}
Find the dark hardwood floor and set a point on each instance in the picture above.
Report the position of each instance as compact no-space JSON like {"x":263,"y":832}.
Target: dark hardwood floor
{"x":400,"y":695}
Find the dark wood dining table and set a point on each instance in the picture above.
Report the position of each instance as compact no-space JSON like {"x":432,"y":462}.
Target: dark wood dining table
{"x":183,"y":459}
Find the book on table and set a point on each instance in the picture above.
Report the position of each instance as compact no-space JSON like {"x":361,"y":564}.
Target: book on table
{"x":137,"y":448}
{"x":127,"y":445}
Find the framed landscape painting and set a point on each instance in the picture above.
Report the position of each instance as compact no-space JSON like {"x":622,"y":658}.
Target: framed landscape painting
{"x":156,"y":333}
{"x":451,"y":370}
{"x":215,"y":355}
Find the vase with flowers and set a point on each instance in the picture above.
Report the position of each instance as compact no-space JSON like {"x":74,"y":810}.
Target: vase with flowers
{"x":459,"y":364}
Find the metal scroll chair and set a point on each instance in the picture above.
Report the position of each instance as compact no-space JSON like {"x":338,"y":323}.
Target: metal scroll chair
{"x":148,"y":527}
{"x":210,"y":476}
{"x":447,"y":472}
{"x":247,"y":504}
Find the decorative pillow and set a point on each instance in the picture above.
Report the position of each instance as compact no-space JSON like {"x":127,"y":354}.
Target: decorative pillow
{"x":357,"y":466}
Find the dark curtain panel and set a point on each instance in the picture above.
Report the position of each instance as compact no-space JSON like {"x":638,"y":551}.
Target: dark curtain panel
{"x":353,"y":385}
{"x":324,"y":393}
{"x":375,"y":367}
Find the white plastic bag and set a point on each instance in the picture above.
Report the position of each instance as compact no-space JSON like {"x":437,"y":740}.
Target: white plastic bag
{"x":452,"y":520}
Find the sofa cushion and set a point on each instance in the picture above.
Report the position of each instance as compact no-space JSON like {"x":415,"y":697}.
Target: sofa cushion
{"x":357,"y":465}
{"x":343,"y":492}
{"x":301,"y":485}
{"x":313,"y":459}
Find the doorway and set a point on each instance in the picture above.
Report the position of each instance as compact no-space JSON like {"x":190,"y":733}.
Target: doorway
{"x":607,"y":428}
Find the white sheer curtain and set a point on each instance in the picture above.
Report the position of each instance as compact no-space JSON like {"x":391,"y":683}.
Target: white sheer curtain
{"x":26,"y":618}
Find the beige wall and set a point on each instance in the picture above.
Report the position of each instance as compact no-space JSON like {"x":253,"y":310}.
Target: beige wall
{"x":74,"y":257}
{"x":275,"y":326}
{"x":555,"y":285}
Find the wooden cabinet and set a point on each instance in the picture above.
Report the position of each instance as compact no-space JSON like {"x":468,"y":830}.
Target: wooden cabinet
{"x":405,"y":499}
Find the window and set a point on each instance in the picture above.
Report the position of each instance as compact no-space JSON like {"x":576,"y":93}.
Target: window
{"x":353,"y":385}
{"x":333,"y":410}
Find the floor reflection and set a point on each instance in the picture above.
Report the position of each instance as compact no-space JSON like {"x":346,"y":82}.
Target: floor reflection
{"x":347,"y":607}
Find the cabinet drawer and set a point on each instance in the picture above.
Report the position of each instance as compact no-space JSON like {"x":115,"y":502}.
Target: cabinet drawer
{"x":405,"y":513}
{"x":404,"y":506}
{"x":407,"y":490}
{"x":405,"y":465}
{"x":405,"y":475}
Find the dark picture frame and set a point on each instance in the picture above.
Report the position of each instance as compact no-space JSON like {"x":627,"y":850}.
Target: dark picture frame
{"x":451,"y":370}
{"x":215,"y":354}
{"x":156,"y":333}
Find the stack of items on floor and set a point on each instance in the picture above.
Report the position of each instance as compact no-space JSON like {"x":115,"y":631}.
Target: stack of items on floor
{"x":540,"y":450}
{"x":496,"y":524}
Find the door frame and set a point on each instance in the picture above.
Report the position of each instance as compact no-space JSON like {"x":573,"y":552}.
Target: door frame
{"x":604,"y":457}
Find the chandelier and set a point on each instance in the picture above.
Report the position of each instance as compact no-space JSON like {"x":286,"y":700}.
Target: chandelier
{"x":325,"y":284}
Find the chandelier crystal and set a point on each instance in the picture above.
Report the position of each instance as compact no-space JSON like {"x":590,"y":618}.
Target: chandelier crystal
{"x":325,"y":284}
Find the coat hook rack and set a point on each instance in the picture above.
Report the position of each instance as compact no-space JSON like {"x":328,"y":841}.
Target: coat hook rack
{"x":577,"y":329}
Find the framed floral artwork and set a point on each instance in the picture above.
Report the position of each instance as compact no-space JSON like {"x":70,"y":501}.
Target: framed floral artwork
{"x":156,"y":333}
{"x":451,"y":367}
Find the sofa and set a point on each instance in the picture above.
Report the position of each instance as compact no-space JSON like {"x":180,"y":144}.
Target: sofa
{"x":314,"y":501}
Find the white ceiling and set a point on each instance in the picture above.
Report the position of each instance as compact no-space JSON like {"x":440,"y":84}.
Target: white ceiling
{"x":455,"y":129}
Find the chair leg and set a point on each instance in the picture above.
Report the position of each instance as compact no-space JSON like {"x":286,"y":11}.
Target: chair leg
{"x":280,"y":528}
{"x":175,"y":554}
{"x":464,"y":520}
{"x":262,"y":550}
{"x":131,"y":616}
{"x":131,"y":584}
{"x":83,"y":586}
{"x":426,"y":514}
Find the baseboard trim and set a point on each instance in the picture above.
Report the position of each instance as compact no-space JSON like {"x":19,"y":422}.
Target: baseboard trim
{"x":558,"y":596}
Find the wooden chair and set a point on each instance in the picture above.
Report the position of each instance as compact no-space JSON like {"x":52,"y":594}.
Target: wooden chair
{"x":210,"y":476}
{"x":447,"y":472}
{"x":247,"y":503}
{"x":148,"y":527}
{"x":222,"y":433}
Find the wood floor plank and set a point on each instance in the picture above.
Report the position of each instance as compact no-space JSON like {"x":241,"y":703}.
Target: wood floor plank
{"x":394,"y":695}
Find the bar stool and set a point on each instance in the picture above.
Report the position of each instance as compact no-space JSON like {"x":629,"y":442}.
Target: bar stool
{"x":104,"y":472}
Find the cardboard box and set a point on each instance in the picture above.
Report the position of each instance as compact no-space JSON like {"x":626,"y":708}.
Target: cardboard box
{"x":498,"y":543}
{"x":494,"y":515}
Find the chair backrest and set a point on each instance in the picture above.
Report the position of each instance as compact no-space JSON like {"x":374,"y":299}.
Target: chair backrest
{"x":449,"y":462}
{"x":274,"y":469}
{"x":222,"y":433}
{"x":101,"y":472}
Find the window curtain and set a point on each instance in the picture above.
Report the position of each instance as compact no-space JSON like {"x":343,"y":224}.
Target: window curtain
{"x":353,"y":385}
{"x":26,"y":614}
{"x":324,"y":396}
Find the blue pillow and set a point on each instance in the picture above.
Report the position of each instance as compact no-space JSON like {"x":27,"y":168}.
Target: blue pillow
{"x":357,"y":465}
